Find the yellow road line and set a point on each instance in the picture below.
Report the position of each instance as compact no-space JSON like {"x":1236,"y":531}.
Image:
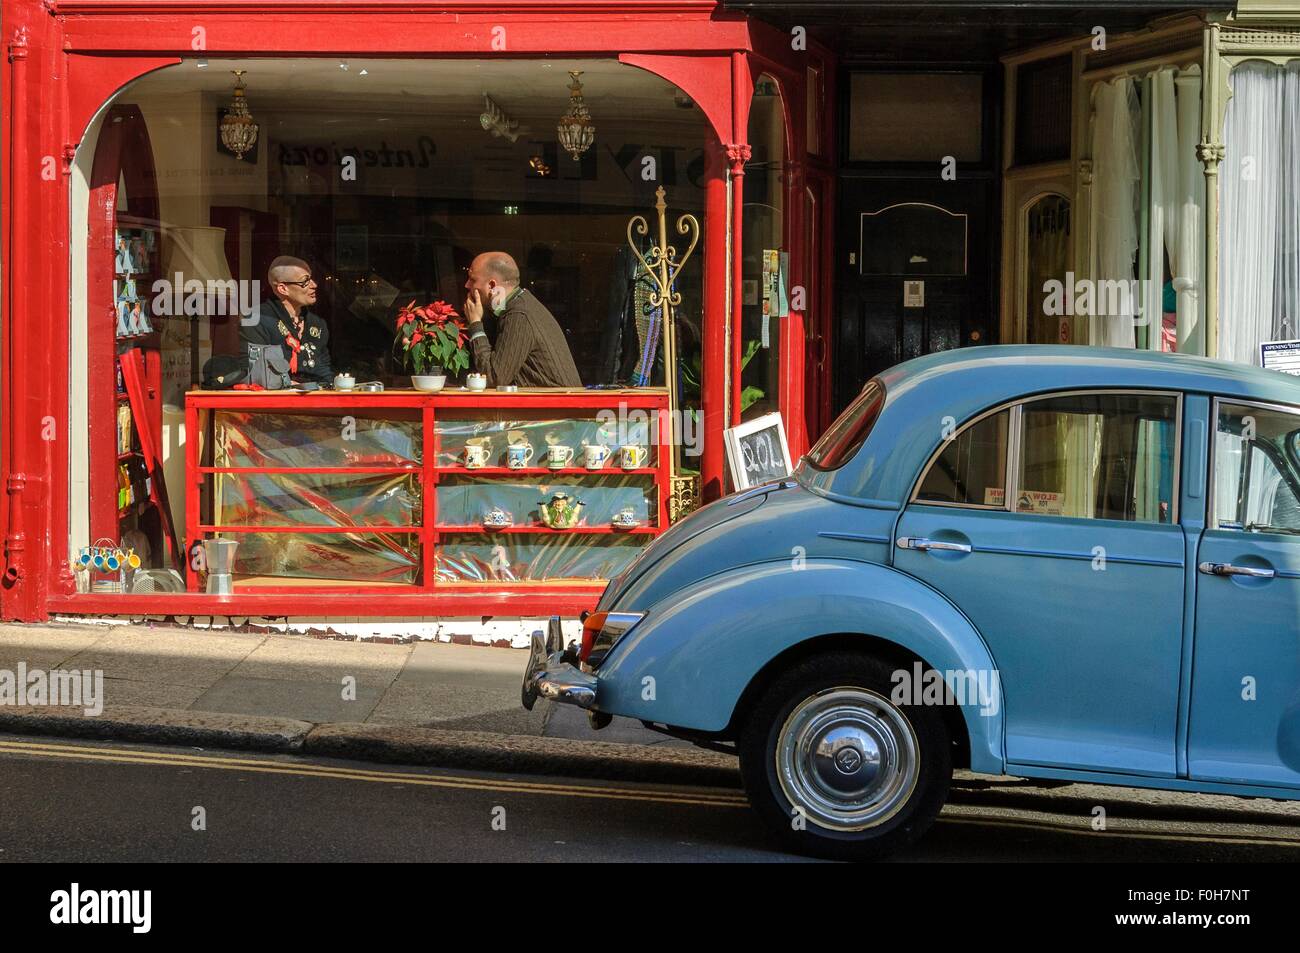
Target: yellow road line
{"x":1121,"y":832}
{"x":132,"y":756}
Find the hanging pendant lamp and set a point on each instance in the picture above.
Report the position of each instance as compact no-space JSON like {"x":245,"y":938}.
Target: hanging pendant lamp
{"x":238,"y":131}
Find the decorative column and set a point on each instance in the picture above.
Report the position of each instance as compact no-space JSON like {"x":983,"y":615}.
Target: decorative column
{"x":1082,"y":223}
{"x":737,"y":155}
{"x":715,"y":354}
{"x":1214,"y":96}
{"x":1190,"y":283}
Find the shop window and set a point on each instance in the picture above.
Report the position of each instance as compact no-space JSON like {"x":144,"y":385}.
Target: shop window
{"x":1259,"y":221}
{"x":1148,"y":189}
{"x":916,"y":117}
{"x":1046,"y":246}
{"x":765,"y":287}
{"x":386,"y":177}
{"x":1043,"y":110}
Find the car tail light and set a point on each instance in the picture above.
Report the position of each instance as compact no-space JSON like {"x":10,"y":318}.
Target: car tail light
{"x":591,"y":626}
{"x":601,"y":630}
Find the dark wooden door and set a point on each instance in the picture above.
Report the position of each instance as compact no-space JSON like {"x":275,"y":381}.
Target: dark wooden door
{"x":914,"y":272}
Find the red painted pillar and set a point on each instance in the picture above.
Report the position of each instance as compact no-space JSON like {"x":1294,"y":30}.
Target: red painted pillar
{"x":717,"y":277}
{"x":18,"y":405}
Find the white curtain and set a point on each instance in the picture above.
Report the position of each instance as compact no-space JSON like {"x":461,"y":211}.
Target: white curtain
{"x":1116,"y":173}
{"x":1259,"y":231}
{"x":1177,"y":206}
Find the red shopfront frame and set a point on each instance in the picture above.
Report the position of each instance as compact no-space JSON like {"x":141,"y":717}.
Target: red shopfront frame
{"x":66,"y":59}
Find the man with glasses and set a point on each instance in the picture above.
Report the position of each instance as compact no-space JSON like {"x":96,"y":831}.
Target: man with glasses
{"x":286,"y":319}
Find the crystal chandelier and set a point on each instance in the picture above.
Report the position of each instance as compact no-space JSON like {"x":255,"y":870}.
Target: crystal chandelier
{"x":238,"y":131}
{"x":575,"y":129}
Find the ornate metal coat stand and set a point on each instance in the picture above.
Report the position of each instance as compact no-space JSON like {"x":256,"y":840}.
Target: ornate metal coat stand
{"x":663,"y":265}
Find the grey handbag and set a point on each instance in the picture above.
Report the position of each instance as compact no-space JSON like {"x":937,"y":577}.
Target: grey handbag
{"x":268,"y":367}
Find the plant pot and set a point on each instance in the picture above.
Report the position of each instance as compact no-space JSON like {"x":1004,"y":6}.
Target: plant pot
{"x":429,"y":383}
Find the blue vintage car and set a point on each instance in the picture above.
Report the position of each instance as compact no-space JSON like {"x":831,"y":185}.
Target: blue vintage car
{"x":1049,"y":562}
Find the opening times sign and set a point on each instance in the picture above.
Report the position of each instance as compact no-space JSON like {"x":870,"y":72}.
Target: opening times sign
{"x":1281,"y":356}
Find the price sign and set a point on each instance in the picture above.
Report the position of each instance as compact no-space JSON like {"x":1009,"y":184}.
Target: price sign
{"x":758,"y":452}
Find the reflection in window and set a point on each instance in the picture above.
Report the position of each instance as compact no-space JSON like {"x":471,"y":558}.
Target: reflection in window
{"x":971,"y":470}
{"x":1098,"y":456}
{"x":1255,"y":467}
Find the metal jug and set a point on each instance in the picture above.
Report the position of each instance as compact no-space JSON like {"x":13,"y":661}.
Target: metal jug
{"x":220,"y":557}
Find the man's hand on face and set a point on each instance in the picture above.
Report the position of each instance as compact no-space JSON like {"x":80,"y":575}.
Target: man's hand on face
{"x":473,"y":307}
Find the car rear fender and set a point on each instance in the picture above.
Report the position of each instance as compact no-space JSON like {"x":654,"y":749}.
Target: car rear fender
{"x":688,"y":663}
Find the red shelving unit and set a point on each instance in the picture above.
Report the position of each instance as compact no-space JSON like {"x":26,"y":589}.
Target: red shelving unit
{"x":435,"y":469}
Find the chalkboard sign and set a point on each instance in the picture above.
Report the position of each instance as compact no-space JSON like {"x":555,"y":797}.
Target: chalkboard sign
{"x":757,"y":451}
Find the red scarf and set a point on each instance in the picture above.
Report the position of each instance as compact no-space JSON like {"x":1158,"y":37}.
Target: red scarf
{"x":295,"y":345}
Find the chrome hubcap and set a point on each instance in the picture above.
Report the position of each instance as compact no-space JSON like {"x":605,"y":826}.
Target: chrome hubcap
{"x":848,"y":758}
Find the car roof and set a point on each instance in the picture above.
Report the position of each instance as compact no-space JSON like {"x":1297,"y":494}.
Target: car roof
{"x":928,"y":396}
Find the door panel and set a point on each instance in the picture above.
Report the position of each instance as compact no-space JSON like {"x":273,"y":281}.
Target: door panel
{"x":1245,"y":716}
{"x":1088,"y":682}
{"x":1245,"y":706}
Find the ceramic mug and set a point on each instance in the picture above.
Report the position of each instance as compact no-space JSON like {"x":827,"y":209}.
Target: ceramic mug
{"x":633,"y":456}
{"x":558,"y":456}
{"x":518,"y":455}
{"x":594,"y":455}
{"x":476,"y":455}
{"x":476,"y":382}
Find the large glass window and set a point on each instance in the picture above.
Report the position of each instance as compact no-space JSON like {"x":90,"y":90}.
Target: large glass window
{"x":1098,"y":456}
{"x":765,"y":266}
{"x":1259,"y":223}
{"x":386,"y":177}
{"x":844,"y":437}
{"x":1257,"y":470}
{"x":1148,"y":206}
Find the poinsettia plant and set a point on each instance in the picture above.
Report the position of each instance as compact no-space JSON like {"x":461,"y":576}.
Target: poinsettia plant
{"x":432,"y":338}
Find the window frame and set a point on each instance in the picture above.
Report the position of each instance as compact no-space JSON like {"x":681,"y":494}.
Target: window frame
{"x":1212,"y":522}
{"x":1011,"y":476}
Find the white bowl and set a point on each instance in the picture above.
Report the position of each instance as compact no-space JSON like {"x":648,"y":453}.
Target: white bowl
{"x":430,"y":383}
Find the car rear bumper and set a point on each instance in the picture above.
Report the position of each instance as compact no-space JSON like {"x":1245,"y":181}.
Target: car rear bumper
{"x":552,"y":672}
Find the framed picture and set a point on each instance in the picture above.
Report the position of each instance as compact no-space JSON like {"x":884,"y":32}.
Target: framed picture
{"x":757,"y":451}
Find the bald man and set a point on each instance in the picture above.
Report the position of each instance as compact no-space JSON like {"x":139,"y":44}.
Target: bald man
{"x":530,"y":349}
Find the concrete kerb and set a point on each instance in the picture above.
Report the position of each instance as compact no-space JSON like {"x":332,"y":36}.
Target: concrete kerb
{"x":390,"y":744}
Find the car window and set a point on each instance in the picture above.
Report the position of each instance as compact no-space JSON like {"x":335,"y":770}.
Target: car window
{"x":1098,"y":456}
{"x":971,"y":468}
{"x":1255,"y":470}
{"x":842,"y":440}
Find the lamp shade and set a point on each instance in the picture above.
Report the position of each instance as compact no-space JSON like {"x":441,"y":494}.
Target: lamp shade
{"x":197,"y":252}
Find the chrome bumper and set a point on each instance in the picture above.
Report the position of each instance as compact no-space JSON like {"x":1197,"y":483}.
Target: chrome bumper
{"x":553,"y":672}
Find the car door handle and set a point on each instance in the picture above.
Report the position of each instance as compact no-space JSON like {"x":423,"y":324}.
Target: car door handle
{"x":1228,"y":569}
{"x":925,"y":545}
